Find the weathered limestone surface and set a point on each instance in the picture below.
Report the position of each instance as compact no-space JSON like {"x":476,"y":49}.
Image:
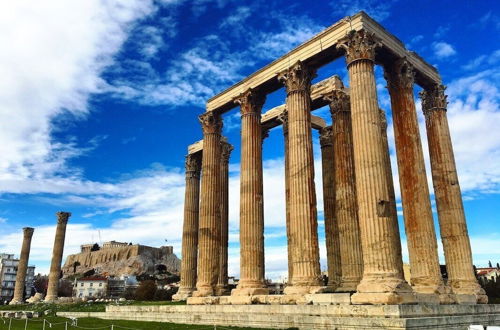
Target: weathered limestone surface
{"x":382,"y":281}
{"x":351,"y":255}
{"x":251,"y":197}
{"x":57,"y":253}
{"x":22,"y":266}
{"x":449,"y":203}
{"x":417,"y":212}
{"x":303,"y":214}
{"x":331,"y":226}
{"x":209,"y":223}
{"x":190,"y":227}
{"x":222,"y":288}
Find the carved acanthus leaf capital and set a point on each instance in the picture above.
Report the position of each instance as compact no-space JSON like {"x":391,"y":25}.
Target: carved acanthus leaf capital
{"x":283,"y":118}
{"x":339,"y":101}
{"x":399,"y":74}
{"x":383,"y":120}
{"x":326,"y":136}
{"x":28,"y":232}
{"x":193,"y":164}
{"x":251,"y":102}
{"x":211,"y":123}
{"x":226,"y":149}
{"x":434,"y":99}
{"x":359,"y":45}
{"x":63,"y":217}
{"x":297,"y":78}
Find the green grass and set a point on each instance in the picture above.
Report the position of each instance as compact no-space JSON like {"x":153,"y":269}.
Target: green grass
{"x":36,"y":324}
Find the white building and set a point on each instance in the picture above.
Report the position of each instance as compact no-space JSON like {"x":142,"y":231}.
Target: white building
{"x":8,"y":272}
{"x":91,"y":287}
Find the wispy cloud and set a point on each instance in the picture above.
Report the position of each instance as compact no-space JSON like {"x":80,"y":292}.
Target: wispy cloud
{"x":379,"y":10}
{"x":443,"y":49}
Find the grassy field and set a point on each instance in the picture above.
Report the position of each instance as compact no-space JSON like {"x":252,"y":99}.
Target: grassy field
{"x":93,"y":323}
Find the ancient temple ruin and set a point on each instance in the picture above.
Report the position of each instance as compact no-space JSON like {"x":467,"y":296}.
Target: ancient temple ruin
{"x":362,"y":235}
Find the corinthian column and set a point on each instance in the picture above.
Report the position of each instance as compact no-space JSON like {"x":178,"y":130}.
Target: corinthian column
{"x":251,"y":197}
{"x":283,"y":117}
{"x":426,"y":277}
{"x":226,"y":149}
{"x":209,"y":225}
{"x":456,"y":244}
{"x":303,"y":214}
{"x":190,"y":228}
{"x":382,"y":281}
{"x":22,"y":267}
{"x":351,"y":254}
{"x":331,"y":228}
{"x":57,"y":253}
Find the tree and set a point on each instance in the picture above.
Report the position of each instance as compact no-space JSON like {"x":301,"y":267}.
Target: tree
{"x":40,"y":283}
{"x":489,"y":264}
{"x":146,"y":290}
{"x":65,"y":288}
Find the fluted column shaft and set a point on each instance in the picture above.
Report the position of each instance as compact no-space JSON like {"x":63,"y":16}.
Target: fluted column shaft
{"x":22,"y":267}
{"x":57,"y":253}
{"x":222,"y":288}
{"x":209,"y":222}
{"x":303,"y":214}
{"x":190,"y":227}
{"x":346,"y":210}
{"x":382,"y":280}
{"x":415,"y":197}
{"x":331,"y":227}
{"x":454,"y":235}
{"x":251,"y":197}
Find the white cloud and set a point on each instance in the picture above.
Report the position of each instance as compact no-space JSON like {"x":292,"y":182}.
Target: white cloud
{"x":3,"y":220}
{"x":378,"y":10}
{"x":443,"y":49}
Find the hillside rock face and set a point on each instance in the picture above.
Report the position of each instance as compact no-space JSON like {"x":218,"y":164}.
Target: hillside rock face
{"x":122,"y":260}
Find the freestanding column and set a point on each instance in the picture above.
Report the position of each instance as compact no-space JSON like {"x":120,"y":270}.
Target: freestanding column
{"x":303,"y":214}
{"x":351,"y":254}
{"x":22,"y":266}
{"x":456,"y":244}
{"x":222,"y":288}
{"x":331,"y":227}
{"x":209,"y":225}
{"x":382,"y":281}
{"x":57,"y":254}
{"x":283,"y":117}
{"x":251,"y":197}
{"x":190,"y":228}
{"x":426,"y":277}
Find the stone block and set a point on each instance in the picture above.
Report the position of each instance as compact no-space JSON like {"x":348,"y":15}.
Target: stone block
{"x":427,"y":298}
{"x":203,"y":300}
{"x":328,"y":298}
{"x":240,"y":300}
{"x":466,"y":299}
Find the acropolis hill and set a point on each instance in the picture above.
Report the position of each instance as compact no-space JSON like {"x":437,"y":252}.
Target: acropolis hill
{"x":117,"y":258}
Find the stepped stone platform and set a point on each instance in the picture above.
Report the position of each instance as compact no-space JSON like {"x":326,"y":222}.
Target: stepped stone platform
{"x":340,"y":316}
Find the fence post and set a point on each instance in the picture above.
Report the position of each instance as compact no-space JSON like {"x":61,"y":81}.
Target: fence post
{"x":26,"y":324}
{"x":10,"y":322}
{"x":66,"y":326}
{"x":112,"y":327}
{"x":43,"y":328}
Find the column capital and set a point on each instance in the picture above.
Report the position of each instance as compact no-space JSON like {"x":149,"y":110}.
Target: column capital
{"x":283,"y":118}
{"x":383,"y":120}
{"x":359,"y":45}
{"x":434,"y":99}
{"x":325,"y":136}
{"x":63,"y":217}
{"x":193,"y":165}
{"x":399,"y":74}
{"x":226,"y":151}
{"x":251,"y":102}
{"x":297,"y":78}
{"x":211,"y":122}
{"x":339,"y":101}
{"x":265,"y":134}
{"x":28,"y":232}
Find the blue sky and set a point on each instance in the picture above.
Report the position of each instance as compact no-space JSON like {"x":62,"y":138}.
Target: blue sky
{"x":99,"y":101}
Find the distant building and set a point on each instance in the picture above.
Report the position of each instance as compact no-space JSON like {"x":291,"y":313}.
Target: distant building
{"x":91,"y":287}
{"x":8,"y":273}
{"x":488,"y":273}
{"x":118,"y":286}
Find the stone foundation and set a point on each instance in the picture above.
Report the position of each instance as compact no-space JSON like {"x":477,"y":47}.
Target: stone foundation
{"x":309,"y":316}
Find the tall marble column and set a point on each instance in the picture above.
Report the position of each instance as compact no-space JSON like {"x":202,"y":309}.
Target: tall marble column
{"x":22,"y":267}
{"x":456,"y":244}
{"x":283,"y":117}
{"x":382,"y":281}
{"x":303,"y":214}
{"x":426,"y":278}
{"x":351,"y":254}
{"x":209,"y":231}
{"x":222,"y":288}
{"x":190,"y":227}
{"x":331,"y":227}
{"x":57,"y":254}
{"x":251,"y":197}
